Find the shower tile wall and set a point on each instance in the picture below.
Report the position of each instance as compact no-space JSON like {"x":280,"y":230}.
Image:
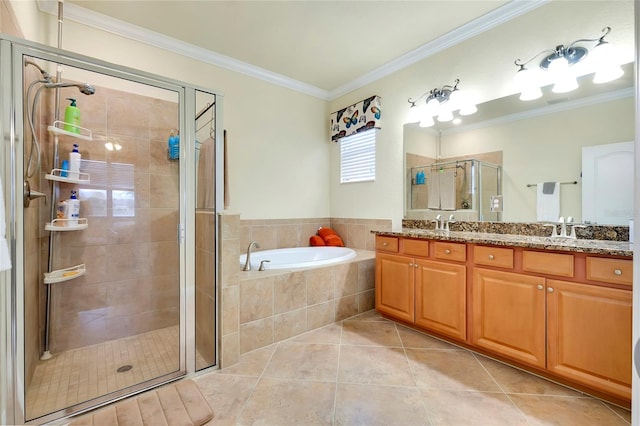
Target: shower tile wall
{"x":229,"y":232}
{"x":130,"y":248}
{"x":205,"y":285}
{"x":283,"y":233}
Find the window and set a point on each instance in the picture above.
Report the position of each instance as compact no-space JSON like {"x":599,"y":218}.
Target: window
{"x":358,"y":157}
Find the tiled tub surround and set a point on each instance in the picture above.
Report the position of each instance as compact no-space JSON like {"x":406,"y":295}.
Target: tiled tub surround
{"x":284,"y":233}
{"x":277,"y":305}
{"x":301,"y":314}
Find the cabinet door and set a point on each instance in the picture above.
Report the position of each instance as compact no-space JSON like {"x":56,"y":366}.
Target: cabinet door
{"x":441,"y":297}
{"x":509,"y":315}
{"x":589,"y":335}
{"x":394,"y":286}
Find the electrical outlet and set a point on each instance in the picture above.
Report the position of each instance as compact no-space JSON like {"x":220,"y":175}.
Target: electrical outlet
{"x":496,"y":203}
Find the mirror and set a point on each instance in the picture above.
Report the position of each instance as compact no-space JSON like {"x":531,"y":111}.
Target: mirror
{"x":534,"y":142}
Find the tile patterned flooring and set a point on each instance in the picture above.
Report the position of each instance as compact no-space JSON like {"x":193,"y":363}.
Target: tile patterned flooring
{"x":370,"y":371}
{"x":81,"y":374}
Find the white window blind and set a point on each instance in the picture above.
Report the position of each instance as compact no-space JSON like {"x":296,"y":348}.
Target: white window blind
{"x":358,"y":157}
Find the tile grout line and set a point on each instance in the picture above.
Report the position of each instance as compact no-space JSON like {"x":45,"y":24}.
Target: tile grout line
{"x":335,"y":391}
{"x":244,"y":405}
{"x":413,"y":376}
{"x":614,"y":411}
{"x":475,"y":356}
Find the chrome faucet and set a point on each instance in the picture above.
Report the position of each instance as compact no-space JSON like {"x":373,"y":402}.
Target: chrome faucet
{"x":451,"y":220}
{"x":439,"y":222}
{"x":247,"y":263}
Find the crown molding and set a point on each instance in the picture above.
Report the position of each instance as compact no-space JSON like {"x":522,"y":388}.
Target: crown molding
{"x":111,"y":25}
{"x":549,"y":109}
{"x":486,"y":22}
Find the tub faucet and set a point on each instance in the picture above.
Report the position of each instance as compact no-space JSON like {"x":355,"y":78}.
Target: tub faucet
{"x":247,"y":263}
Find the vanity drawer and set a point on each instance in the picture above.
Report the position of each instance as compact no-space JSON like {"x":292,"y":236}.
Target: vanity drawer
{"x":450,"y":251}
{"x":615,"y":271}
{"x":415,"y":247}
{"x":389,"y":244}
{"x":548,"y":263}
{"x":493,"y":256}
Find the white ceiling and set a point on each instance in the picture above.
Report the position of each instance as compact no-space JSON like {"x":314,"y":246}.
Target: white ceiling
{"x":330,"y":47}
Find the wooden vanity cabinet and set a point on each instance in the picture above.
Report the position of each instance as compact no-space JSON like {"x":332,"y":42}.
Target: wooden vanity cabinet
{"x":395,"y":286}
{"x":412,"y":287}
{"x":509,"y":315}
{"x":440,"y":295}
{"x":589,"y":335}
{"x":569,"y":314}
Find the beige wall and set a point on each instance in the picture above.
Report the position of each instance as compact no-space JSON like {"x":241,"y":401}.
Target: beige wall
{"x":278,"y":143}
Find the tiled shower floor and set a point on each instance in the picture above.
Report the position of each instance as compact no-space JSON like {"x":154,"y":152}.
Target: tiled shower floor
{"x":84,"y":373}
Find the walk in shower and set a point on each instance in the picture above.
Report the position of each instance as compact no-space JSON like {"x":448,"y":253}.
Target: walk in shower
{"x":121,"y":297}
{"x":470,"y":189}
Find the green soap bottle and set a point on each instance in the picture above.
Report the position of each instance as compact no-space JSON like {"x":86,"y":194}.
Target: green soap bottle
{"x":72,"y":117}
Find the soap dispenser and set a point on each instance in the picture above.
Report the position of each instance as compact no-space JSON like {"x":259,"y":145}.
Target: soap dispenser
{"x":73,"y":206}
{"x":74,"y":163}
{"x":72,"y":117}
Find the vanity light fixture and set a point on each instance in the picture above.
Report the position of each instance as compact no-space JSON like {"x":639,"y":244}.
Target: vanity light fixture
{"x":559,"y":63}
{"x":439,"y":103}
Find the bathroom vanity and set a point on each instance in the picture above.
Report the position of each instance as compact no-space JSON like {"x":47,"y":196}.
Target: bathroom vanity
{"x":560,"y":308}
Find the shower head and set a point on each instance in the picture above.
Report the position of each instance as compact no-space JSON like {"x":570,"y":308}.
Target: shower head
{"x":84,"y":88}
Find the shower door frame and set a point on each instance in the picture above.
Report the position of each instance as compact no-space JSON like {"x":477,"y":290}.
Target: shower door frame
{"x":12,"y":405}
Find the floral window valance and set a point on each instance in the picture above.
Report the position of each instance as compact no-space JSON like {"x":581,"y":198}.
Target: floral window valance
{"x":358,"y":117}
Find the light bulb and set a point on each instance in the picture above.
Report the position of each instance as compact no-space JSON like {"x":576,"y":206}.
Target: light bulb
{"x":523,"y":78}
{"x":433,"y":103}
{"x":445,"y":115}
{"x":558,"y":65}
{"x":607,"y":74}
{"x":530,"y":94}
{"x":565,"y":84}
{"x":427,"y":121}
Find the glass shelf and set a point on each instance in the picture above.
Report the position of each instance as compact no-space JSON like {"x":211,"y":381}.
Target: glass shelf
{"x":66,"y":274}
{"x":85,"y":134}
{"x":56,"y":174}
{"x":64,"y":225}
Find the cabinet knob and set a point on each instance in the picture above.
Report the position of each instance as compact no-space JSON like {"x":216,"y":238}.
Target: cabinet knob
{"x":447,"y":251}
{"x":410,"y":265}
{"x":617,"y":271}
{"x":491,"y":257}
{"x":550,"y":289}
{"x":540,"y":286}
{"x":385,"y":244}
{"x":415,"y":265}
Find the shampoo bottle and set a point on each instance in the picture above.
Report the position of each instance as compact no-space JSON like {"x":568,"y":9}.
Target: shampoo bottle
{"x":72,"y":117}
{"x":74,"y":163}
{"x":73,"y":209}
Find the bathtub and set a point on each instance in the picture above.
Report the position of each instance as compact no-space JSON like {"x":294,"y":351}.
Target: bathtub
{"x":298,"y":257}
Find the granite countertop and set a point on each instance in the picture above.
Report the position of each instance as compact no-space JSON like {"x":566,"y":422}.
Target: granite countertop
{"x":611,"y":248}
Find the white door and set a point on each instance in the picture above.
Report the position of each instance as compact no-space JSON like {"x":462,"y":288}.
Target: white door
{"x":607,"y":183}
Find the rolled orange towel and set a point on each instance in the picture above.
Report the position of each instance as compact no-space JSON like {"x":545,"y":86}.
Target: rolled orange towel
{"x":323,"y":232}
{"x":316,"y":240}
{"x":334,"y":240}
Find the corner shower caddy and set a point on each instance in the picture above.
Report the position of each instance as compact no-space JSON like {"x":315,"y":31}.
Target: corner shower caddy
{"x":61,"y":225}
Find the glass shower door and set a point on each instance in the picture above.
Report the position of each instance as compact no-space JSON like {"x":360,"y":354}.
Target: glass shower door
{"x":102,"y":301}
